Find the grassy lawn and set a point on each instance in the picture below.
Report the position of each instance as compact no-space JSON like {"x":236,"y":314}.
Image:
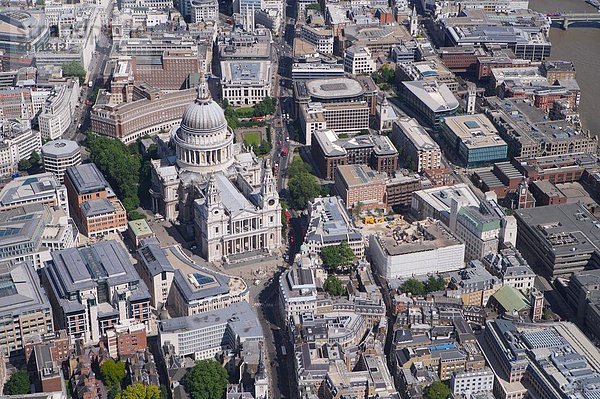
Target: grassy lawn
{"x":252,"y":138}
{"x":245,"y":112}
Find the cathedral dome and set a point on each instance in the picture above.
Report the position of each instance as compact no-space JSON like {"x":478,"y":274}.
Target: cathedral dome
{"x":203,"y":141}
{"x":204,"y":114}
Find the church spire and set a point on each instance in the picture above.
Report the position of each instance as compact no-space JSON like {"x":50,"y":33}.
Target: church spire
{"x":212,"y":194}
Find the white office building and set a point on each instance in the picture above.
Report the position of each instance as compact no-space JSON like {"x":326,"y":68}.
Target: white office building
{"x":204,"y":11}
{"x":419,"y":249}
{"x":57,"y":113}
{"x":58,"y":155}
{"x":467,"y":383}
{"x":358,"y":60}
{"x":321,"y":38}
{"x":245,"y":82}
{"x":204,"y":336}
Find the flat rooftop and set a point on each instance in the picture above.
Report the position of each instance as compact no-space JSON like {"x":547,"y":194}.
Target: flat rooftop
{"x":424,"y":236}
{"x":567,"y":228}
{"x":359,"y":175}
{"x":474,"y":131}
{"x":28,"y":188}
{"x":334,"y":88}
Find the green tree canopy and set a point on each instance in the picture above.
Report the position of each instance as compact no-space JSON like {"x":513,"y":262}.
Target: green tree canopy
{"x":24,"y":165}
{"x":266,"y":107}
{"x":413,"y":286}
{"x":139,"y":391}
{"x":302,"y":184}
{"x":206,"y":380}
{"x":120,"y":165}
{"x":435,"y":284}
{"x":17,"y":384}
{"x":113,"y":372}
{"x":35,"y":158}
{"x":74,"y":69}
{"x":437,"y":390}
{"x":337,"y":257}
{"x":334,"y":286}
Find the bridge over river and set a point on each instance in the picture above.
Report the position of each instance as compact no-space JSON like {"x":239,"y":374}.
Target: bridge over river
{"x":564,"y":20}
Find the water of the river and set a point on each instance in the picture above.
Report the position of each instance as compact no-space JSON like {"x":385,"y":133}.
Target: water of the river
{"x":582,"y":46}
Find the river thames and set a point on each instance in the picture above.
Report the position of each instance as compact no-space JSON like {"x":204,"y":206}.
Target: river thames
{"x":582,"y":46}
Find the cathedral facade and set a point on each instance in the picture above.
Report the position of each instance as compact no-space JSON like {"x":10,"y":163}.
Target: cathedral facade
{"x":223,"y":192}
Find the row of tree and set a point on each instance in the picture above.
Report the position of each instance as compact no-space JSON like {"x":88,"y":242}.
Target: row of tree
{"x":417,"y":287}
{"x":266,"y":107}
{"x":120,"y":165}
{"x":302,"y":185}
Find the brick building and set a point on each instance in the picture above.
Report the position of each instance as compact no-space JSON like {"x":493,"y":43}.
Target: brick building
{"x":93,"y":203}
{"x":360,"y":184}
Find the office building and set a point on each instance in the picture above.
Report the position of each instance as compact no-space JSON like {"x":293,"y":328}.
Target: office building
{"x":128,"y":121}
{"x":474,"y":285}
{"x":58,"y":155}
{"x":297,"y":293}
{"x":24,"y":307}
{"x":170,"y":69}
{"x":399,"y":189}
{"x":511,"y":268}
{"x":419,"y":249}
{"x":473,"y":139}
{"x":93,"y":288}
{"x":17,"y":142}
{"x":156,"y":270}
{"x":196,"y":289}
{"x":94,"y":205}
{"x":38,"y":189}
{"x":320,"y":38}
{"x":582,"y":295}
{"x":358,"y":61}
{"x":245,"y":82}
{"x":360,"y":185}
{"x":330,"y":224}
{"x":472,"y":382}
{"x":529,"y":133}
{"x":310,"y":70}
{"x":481,"y":225}
{"x":328,"y":151}
{"x":431,"y":100}
{"x":58,"y":110}
{"x":559,"y":240}
{"x":21,"y":30}
{"x":527,"y":360}
{"x":206,"y":335}
{"x":419,"y":148}
{"x":204,"y":11}
{"x":339,"y":117}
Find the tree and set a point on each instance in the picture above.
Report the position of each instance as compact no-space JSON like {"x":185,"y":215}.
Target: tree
{"x":314,"y":6}
{"x":34,"y":158}
{"x":17,"y":384}
{"x":334,"y":286}
{"x":113,"y":372}
{"x":413,"y":286}
{"x":139,"y":391}
{"x":120,"y":165}
{"x":437,"y":390}
{"x":303,"y":185}
{"x":164,"y":392}
{"x":337,"y":257}
{"x":24,"y":165}
{"x":74,"y":69}
{"x":206,"y":380}
{"x":264,"y":148}
{"x":435,"y":284}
